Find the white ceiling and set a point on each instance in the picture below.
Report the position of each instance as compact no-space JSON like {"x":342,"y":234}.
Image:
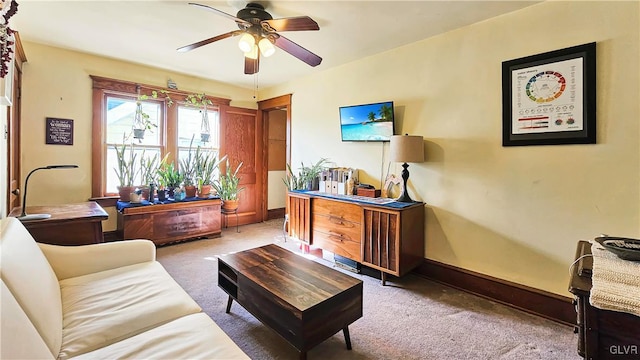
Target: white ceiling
{"x":149,"y":32}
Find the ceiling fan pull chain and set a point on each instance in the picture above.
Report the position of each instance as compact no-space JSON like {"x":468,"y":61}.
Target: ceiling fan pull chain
{"x":255,"y":86}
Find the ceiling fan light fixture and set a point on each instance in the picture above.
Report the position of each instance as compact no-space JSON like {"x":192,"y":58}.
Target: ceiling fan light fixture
{"x":253,"y":53}
{"x":266,"y":47}
{"x":247,"y":42}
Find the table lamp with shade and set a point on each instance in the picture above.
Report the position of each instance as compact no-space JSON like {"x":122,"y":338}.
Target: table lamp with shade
{"x":27,"y":217}
{"x":406,"y":149}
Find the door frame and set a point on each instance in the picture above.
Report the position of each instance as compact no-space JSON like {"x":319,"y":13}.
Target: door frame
{"x":282,"y":102}
{"x":14,"y":178}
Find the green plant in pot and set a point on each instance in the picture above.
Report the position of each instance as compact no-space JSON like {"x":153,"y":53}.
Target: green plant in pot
{"x":307,"y":178}
{"x":126,"y":169}
{"x":228,"y":187}
{"x":142,"y":120}
{"x":206,"y":164}
{"x":169,"y":176}
{"x":188,"y":169}
{"x":201,"y":102}
{"x":148,"y":172}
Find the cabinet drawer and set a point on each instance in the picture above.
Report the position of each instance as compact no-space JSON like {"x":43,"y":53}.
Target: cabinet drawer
{"x":337,"y":245}
{"x":337,"y":210}
{"x":340,"y":228}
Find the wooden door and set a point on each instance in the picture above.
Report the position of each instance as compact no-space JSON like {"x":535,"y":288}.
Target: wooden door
{"x":13,"y":131}
{"x":264,"y":107}
{"x":241,"y":140}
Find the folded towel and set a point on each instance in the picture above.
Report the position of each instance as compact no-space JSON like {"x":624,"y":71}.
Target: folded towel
{"x":615,"y":282}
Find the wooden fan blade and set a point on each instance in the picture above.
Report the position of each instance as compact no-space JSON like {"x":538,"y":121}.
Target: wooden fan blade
{"x":251,"y":66}
{"x":299,"y":23}
{"x":209,"y":41}
{"x":297,"y":51}
{"x":244,"y":23}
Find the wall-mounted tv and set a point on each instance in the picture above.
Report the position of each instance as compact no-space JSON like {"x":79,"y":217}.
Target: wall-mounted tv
{"x":368,"y":122}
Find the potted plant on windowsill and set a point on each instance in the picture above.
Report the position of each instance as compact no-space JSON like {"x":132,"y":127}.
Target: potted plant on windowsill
{"x":126,"y":170}
{"x":148,"y":170}
{"x":187,"y":169}
{"x":205,"y":167}
{"x":169,"y":176}
{"x":228,"y":187}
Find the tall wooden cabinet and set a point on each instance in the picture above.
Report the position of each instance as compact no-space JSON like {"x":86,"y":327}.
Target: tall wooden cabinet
{"x":386,"y":238}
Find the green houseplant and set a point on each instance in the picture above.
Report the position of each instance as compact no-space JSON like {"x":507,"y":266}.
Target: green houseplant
{"x":228,"y":187}
{"x":307,"y":178}
{"x":206,"y":163}
{"x":148,"y":173}
{"x":126,"y":169}
{"x":187,"y":169}
{"x":201,"y":101}
{"x":168,"y":176}
{"x":142,"y":120}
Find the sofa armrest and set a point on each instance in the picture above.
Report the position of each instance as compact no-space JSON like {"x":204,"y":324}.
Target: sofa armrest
{"x":72,"y":261}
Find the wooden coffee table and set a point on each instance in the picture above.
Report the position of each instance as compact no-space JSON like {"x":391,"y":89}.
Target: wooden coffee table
{"x":303,"y":301}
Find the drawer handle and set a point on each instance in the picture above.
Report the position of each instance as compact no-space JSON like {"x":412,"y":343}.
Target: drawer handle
{"x":338,"y":235}
{"x":336,"y":220}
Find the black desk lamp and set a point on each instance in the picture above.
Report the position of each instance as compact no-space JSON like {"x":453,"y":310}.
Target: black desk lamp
{"x":24,"y":216}
{"x":406,"y":148}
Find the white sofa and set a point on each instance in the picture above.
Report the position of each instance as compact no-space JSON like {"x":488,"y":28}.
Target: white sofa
{"x":102,"y":301}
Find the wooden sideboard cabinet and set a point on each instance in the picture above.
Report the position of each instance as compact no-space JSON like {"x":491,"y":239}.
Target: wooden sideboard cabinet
{"x":602,"y":334}
{"x":382,"y":237}
{"x":69,"y":224}
{"x":166,"y":223}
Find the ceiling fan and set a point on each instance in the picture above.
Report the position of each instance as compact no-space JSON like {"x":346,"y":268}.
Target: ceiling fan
{"x":259,"y":32}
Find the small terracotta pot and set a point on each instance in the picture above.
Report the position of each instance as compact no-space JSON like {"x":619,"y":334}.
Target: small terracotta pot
{"x":190,"y":190}
{"x":205,"y":191}
{"x":125,"y":193}
{"x":229,"y":205}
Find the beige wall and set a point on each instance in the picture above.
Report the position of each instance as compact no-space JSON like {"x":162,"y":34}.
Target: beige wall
{"x":512,"y":213}
{"x":56,"y":83}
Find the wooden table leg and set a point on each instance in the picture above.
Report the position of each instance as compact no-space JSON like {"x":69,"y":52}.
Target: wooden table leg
{"x":384,"y":277}
{"x":229,"y":304}
{"x":347,"y":338}
{"x":303,"y":355}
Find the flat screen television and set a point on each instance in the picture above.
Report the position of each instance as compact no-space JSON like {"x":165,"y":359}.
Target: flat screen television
{"x":367,"y":122}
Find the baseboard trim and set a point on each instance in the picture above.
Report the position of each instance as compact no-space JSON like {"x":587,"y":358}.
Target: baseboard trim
{"x":538,"y":302}
{"x":275,"y":213}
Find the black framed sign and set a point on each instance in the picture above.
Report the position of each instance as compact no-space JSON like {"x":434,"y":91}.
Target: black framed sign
{"x":59,"y":131}
{"x":550,"y":98}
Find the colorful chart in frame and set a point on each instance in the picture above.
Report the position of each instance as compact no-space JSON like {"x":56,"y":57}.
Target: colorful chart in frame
{"x":548,"y":98}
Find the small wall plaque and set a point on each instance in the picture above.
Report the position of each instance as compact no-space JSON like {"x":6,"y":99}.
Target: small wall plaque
{"x":59,"y":131}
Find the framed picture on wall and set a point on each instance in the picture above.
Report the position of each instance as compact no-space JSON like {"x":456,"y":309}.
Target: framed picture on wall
{"x":550,"y":98}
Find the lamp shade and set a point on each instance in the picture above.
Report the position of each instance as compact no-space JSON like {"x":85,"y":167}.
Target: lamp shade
{"x":247,"y":41}
{"x":266,"y":47}
{"x":407,"y":148}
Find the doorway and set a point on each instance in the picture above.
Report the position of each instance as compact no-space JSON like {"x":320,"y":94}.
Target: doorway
{"x":276,"y":121}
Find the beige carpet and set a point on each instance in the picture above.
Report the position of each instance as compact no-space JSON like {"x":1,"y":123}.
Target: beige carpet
{"x":410,"y":318}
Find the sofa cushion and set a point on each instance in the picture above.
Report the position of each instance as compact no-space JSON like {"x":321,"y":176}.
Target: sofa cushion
{"x":102,"y":308}
{"x":31,"y":280}
{"x":190,"y":337}
{"x":18,"y":336}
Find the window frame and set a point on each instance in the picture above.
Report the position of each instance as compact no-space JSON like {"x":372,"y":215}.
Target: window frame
{"x":103,"y":87}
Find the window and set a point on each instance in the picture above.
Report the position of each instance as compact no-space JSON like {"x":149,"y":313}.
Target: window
{"x":114,"y":104}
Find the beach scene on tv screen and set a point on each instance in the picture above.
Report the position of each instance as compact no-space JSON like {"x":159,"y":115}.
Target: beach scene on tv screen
{"x":372,"y":122}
